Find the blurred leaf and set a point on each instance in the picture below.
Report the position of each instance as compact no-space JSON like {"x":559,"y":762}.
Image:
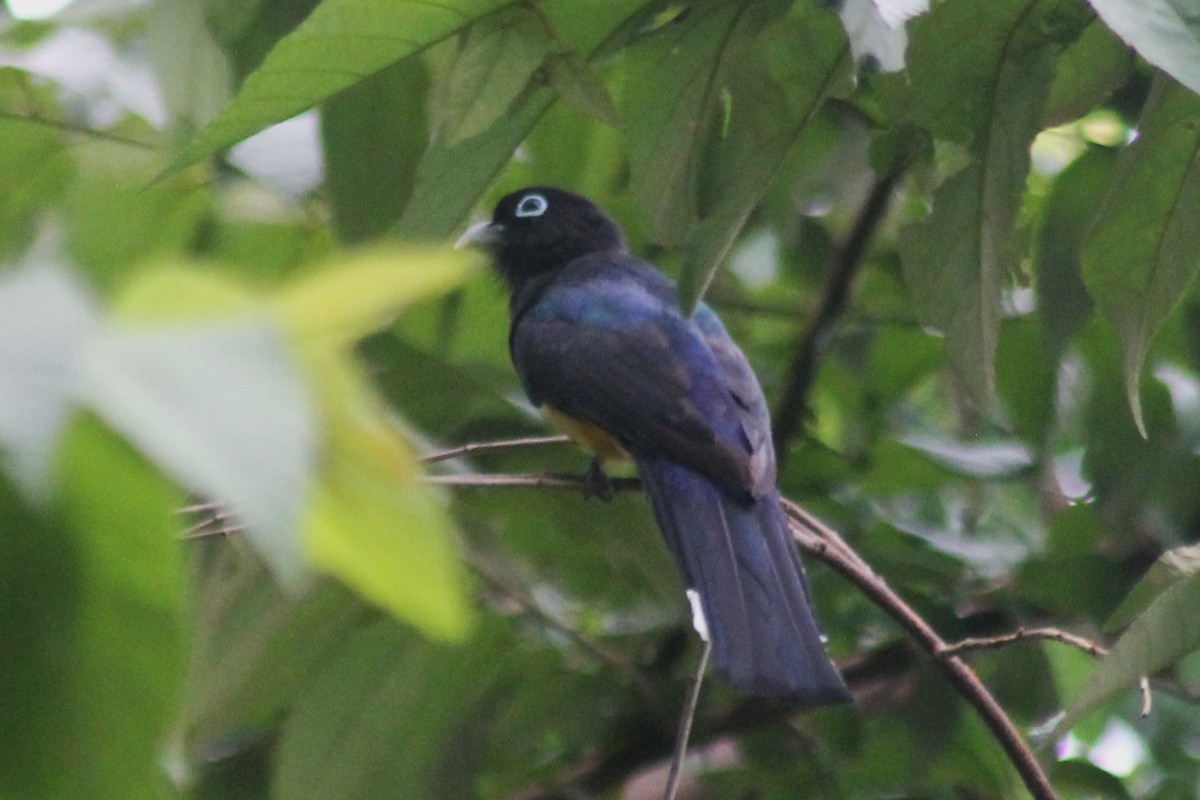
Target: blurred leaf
{"x":1071,"y":210}
{"x":117,"y":216}
{"x":340,"y":43}
{"x":977,"y":459}
{"x":672,"y":98}
{"x":46,"y":320}
{"x":123,"y":648}
{"x":381,"y":719}
{"x":1087,"y":73}
{"x":1170,"y":568}
{"x":35,"y":165}
{"x":774,"y":91}
{"x":451,"y":178}
{"x":222,"y":409}
{"x":373,"y":135}
{"x":580,"y":87}
{"x":359,"y":292}
{"x":1026,"y":378}
{"x":1165,"y":32}
{"x":255,"y":648}
{"x":193,"y":75}
{"x":371,"y":522}
{"x":1140,"y":257}
{"x":1078,"y":778}
{"x":1158,"y":637}
{"x":495,"y":62}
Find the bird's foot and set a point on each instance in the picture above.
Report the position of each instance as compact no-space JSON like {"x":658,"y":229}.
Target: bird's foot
{"x":596,"y":482}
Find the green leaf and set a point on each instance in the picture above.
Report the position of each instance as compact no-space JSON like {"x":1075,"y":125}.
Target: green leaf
{"x":581,"y":88}
{"x":674,"y":89}
{"x":774,"y":91}
{"x":955,"y":261}
{"x":341,"y":42}
{"x":498,"y":57}
{"x":373,"y":136}
{"x":370,"y":520}
{"x":1141,"y":257}
{"x":385,"y":719}
{"x":194,"y":77}
{"x":35,"y":166}
{"x":255,"y":648}
{"x":1170,"y":568}
{"x":119,"y":651}
{"x":451,"y":178}
{"x":1087,"y":73}
{"x":1070,"y":211}
{"x":46,"y":320}
{"x":360,"y":292}
{"x":1165,"y":32}
{"x":1160,"y":636}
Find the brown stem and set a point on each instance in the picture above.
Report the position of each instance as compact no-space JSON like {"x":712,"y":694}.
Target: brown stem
{"x":824,"y":543}
{"x":789,"y":413}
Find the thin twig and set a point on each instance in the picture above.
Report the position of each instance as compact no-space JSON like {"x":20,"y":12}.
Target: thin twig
{"x":790,"y":411}
{"x":822,"y":542}
{"x":499,"y":444}
{"x":1021,"y":635}
{"x":570,"y":483}
{"x":70,"y":127}
{"x":598,"y":650}
{"x":685,"y":724}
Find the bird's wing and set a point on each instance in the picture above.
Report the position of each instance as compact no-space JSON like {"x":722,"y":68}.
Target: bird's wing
{"x":613,"y":354}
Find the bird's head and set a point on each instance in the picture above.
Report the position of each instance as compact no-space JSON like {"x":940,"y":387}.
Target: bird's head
{"x":540,"y":229}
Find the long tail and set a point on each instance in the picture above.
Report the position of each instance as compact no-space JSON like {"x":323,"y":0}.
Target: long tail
{"x":738,"y":555}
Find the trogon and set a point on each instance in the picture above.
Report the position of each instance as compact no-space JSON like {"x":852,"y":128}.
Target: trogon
{"x":600,"y":343}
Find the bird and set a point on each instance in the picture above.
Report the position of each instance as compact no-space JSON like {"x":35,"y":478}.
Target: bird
{"x":601,"y":345}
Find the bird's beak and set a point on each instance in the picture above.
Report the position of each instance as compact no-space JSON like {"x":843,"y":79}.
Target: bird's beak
{"x":481,"y":234}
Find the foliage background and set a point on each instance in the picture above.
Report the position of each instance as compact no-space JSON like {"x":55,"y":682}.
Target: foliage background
{"x":964,"y":275}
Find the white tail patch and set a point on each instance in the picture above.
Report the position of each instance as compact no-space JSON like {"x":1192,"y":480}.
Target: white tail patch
{"x":698,"y":620}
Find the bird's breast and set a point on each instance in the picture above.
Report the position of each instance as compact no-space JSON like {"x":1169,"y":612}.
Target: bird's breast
{"x":603,"y":444}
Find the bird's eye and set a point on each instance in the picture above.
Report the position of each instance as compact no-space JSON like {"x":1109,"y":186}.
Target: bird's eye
{"x":532,"y":205}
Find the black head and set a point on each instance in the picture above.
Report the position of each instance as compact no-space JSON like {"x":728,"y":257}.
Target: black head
{"x":540,"y":229}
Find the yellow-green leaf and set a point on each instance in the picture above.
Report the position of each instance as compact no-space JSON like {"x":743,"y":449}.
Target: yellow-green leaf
{"x":357,"y":293}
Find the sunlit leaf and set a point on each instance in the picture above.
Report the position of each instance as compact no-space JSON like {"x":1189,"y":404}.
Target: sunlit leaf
{"x":360,"y":292}
{"x":1141,"y":257}
{"x":371,"y":522}
{"x":341,"y":42}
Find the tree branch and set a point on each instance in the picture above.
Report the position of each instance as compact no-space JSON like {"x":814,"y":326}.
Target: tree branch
{"x":824,"y":543}
{"x":789,"y":413}
{"x":1022,"y":635}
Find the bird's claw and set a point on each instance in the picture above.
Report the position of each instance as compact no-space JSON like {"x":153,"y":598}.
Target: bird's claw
{"x":596,"y":482}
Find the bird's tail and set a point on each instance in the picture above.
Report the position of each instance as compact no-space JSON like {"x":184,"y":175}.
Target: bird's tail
{"x":738,"y":555}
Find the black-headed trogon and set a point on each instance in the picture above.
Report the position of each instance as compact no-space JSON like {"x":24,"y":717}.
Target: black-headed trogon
{"x":599,"y":342}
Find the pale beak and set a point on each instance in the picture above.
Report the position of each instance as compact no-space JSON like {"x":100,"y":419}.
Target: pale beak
{"x":481,"y":234}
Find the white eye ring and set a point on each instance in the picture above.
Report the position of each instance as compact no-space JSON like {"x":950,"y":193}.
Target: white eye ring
{"x":532,"y":205}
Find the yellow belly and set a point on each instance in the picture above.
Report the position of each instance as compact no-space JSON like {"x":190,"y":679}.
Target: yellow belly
{"x":606,"y":448}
